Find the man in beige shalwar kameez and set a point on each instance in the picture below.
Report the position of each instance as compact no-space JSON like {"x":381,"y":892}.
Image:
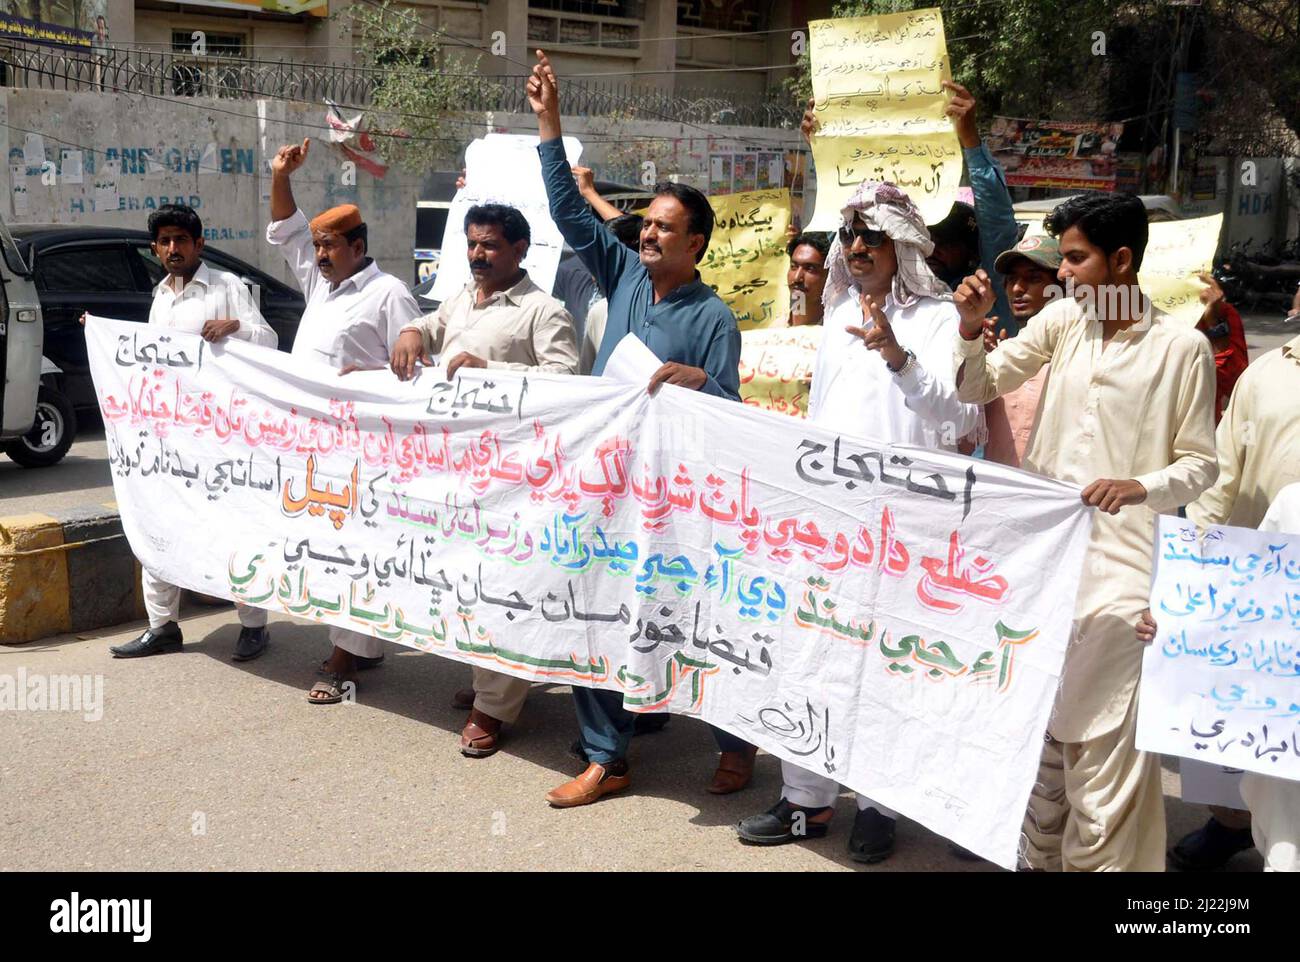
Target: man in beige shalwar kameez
{"x":1128,"y":412}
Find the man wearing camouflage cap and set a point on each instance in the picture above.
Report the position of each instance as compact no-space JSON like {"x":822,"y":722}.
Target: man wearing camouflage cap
{"x":1029,"y":275}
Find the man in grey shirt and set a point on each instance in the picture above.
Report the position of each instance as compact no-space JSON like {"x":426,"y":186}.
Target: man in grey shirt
{"x":501,"y":319}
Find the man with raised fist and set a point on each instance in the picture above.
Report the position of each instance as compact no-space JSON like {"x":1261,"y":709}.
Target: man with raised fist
{"x":880,"y":294}
{"x":656,"y":295}
{"x":353,"y":316}
{"x":1128,"y":414}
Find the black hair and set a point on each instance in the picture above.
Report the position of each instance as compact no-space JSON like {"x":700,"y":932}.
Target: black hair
{"x":1109,"y":221}
{"x":359,"y":232}
{"x":627,"y":228}
{"x":697,"y":206}
{"x":514,"y":226}
{"x":175,"y":215}
{"x":819,"y":240}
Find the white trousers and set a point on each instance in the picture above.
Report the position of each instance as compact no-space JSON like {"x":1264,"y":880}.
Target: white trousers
{"x":163,"y":603}
{"x":363,"y":646}
{"x":810,"y":790}
{"x":1274,"y":820}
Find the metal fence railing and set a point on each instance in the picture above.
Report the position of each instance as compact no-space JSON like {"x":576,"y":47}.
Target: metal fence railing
{"x":182,"y":75}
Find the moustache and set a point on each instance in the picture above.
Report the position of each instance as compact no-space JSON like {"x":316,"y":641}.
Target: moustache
{"x":479,"y":265}
{"x":325,"y":264}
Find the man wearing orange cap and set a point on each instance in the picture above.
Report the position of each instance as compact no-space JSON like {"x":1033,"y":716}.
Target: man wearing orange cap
{"x":354,"y":313}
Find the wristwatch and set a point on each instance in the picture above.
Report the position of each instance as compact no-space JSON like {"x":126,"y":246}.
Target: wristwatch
{"x":908,"y":364}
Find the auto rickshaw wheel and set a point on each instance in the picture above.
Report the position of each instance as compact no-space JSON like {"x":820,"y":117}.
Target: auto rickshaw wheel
{"x":51,"y":435}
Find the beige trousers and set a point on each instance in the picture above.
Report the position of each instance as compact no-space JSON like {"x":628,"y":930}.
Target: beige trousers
{"x":1097,"y":806}
{"x":1275,"y":820}
{"x":162,"y":602}
{"x":498,"y":695}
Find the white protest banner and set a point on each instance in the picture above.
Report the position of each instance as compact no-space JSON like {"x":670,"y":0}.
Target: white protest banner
{"x":503,"y":169}
{"x":892,"y":617}
{"x":1221,"y":681}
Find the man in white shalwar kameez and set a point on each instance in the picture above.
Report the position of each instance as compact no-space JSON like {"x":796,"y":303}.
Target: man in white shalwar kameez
{"x":353,"y":317}
{"x":1129,"y":413}
{"x":880,"y":294}
{"x":1258,"y":443}
{"x":195,"y":299}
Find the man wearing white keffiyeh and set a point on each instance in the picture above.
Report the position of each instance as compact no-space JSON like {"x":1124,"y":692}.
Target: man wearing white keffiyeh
{"x":880,"y":298}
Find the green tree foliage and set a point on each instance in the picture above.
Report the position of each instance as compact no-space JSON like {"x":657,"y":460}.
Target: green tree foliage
{"x":1024,"y":58}
{"x":1098,"y":58}
{"x":426,"y":82}
{"x":1254,"y":47}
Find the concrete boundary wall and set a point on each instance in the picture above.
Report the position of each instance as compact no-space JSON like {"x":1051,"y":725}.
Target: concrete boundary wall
{"x":71,"y":570}
{"x":210,"y":154}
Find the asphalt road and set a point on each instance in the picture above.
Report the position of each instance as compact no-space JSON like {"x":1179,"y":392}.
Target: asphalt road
{"x":198,"y":763}
{"x":82,"y":478}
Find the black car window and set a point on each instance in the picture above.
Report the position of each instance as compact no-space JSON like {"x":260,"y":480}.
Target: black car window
{"x":85,"y":270}
{"x":152,"y":265}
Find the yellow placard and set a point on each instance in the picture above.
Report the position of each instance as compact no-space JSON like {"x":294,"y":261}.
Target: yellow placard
{"x":880,"y":108}
{"x":776,"y":367}
{"x":746,"y":261}
{"x":1177,"y":250}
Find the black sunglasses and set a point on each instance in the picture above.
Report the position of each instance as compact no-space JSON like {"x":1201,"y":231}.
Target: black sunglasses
{"x":872,"y":238}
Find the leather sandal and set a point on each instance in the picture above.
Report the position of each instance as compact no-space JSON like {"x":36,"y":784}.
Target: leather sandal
{"x":478,"y":739}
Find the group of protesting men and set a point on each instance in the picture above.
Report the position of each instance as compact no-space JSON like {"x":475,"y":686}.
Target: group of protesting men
{"x":916,"y":348}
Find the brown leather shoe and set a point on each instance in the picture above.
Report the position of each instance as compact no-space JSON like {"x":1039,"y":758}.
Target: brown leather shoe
{"x":594,"y":783}
{"x":478,"y":739}
{"x":463,"y":699}
{"x":735,"y":769}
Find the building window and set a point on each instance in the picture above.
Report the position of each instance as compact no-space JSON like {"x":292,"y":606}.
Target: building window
{"x":197,"y":75}
{"x":723,"y":15}
{"x":217,"y":44}
{"x":627,"y":9}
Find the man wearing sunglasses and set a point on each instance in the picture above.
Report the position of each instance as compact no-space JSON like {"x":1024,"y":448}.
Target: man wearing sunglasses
{"x":880,"y":295}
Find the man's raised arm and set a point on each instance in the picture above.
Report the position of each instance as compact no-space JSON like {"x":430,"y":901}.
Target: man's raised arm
{"x":599,"y":250}
{"x":288,"y":229}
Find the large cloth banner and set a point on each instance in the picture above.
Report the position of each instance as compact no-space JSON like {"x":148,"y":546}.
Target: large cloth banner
{"x":880,"y":103}
{"x":888,"y":616}
{"x":1221,"y":681}
{"x":746,"y":260}
{"x":1049,"y":153}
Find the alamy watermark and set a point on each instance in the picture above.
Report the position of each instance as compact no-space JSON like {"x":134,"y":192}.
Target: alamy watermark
{"x":1104,"y":301}
{"x":39,"y":692}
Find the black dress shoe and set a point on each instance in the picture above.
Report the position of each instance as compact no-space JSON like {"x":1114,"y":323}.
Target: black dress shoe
{"x":152,"y":641}
{"x":779,"y":825}
{"x":251,"y":643}
{"x":1209,"y":847}
{"x":872,"y":839}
